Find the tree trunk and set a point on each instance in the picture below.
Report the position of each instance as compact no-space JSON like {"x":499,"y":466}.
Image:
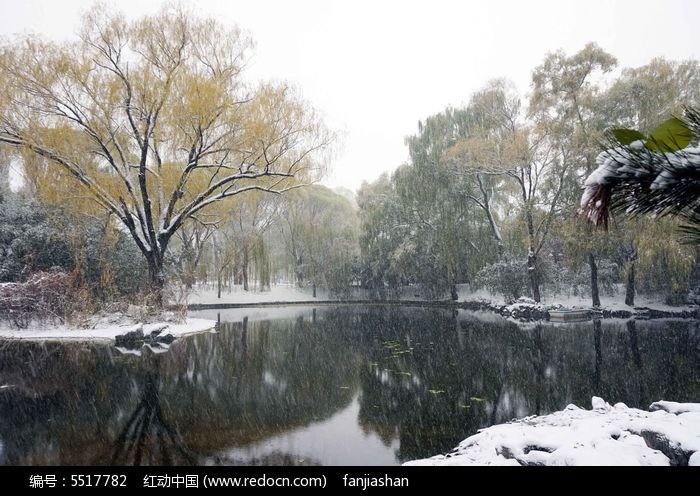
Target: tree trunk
{"x":189,"y":275}
{"x":313,"y":288}
{"x":595,"y":295}
{"x":629,"y":293}
{"x":532,"y":274}
{"x":485,"y":204}
{"x":532,"y":255}
{"x":298,"y":272}
{"x":453,"y":292}
{"x":245,"y":268}
{"x":156,"y":279}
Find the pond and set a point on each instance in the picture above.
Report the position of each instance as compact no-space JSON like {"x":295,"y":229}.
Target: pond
{"x":326,"y":386}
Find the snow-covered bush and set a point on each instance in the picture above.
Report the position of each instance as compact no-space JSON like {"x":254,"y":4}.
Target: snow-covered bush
{"x":28,"y":241}
{"x":33,"y":240}
{"x":507,"y":277}
{"x":45,"y":296}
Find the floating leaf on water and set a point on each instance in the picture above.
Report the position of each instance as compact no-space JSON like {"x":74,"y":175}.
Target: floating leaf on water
{"x":464,"y":406}
{"x":436,"y":391}
{"x":344,"y":387}
{"x":478,"y":400}
{"x":405,"y":373}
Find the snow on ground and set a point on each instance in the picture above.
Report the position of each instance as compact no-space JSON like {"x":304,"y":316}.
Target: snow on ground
{"x":616,"y":302}
{"x":236,"y":295}
{"x":464,"y":293}
{"x":104,"y":333}
{"x":669,"y":434}
{"x":106,"y":328}
{"x":281,"y":293}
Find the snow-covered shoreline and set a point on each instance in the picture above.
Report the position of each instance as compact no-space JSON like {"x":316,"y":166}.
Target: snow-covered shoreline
{"x":524,"y":309}
{"x":667,"y":434}
{"x":106,"y":333}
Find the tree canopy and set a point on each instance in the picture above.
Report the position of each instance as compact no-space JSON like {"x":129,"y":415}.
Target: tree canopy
{"x":154,"y":120}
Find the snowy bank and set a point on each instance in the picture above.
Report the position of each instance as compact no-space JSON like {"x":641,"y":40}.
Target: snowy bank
{"x":668,"y":434}
{"x":237,"y":296}
{"x":525,"y":309}
{"x":108,"y":332}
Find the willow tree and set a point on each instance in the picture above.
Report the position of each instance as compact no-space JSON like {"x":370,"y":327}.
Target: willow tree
{"x":565,"y":106}
{"x":506,"y":153}
{"x":153,"y":122}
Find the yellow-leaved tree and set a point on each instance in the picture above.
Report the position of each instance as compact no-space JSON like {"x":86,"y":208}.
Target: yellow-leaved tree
{"x":153,"y":122}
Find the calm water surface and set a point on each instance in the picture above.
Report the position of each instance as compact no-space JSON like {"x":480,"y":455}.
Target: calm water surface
{"x":334,"y":385}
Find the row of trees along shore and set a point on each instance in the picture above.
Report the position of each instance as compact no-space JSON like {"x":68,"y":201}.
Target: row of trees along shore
{"x":145,"y":136}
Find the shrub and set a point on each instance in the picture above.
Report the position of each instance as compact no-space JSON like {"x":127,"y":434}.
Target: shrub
{"x":507,"y":277}
{"x":45,"y":296}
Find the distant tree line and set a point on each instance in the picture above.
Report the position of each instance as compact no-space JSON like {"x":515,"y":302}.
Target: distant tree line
{"x":491,"y":193}
{"x":148,"y":163}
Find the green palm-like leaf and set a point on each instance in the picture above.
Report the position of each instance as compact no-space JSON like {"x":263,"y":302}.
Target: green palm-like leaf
{"x":627,"y":136}
{"x":671,"y":136}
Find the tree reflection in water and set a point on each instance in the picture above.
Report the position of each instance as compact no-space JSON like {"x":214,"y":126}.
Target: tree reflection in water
{"x":147,"y":438}
{"x":303,"y":387}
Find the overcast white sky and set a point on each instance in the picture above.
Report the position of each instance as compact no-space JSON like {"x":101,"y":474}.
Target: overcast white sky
{"x":375,"y":67}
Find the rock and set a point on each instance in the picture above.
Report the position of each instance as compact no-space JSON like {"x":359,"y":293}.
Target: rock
{"x":165,"y":339}
{"x":131,"y":338}
{"x":673,"y":407}
{"x":673,"y":450}
{"x":599,"y":404}
{"x":158,"y":330}
{"x":602,"y":436}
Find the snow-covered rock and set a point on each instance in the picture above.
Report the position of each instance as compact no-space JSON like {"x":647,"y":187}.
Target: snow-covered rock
{"x":675,"y":408}
{"x":669,"y":434}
